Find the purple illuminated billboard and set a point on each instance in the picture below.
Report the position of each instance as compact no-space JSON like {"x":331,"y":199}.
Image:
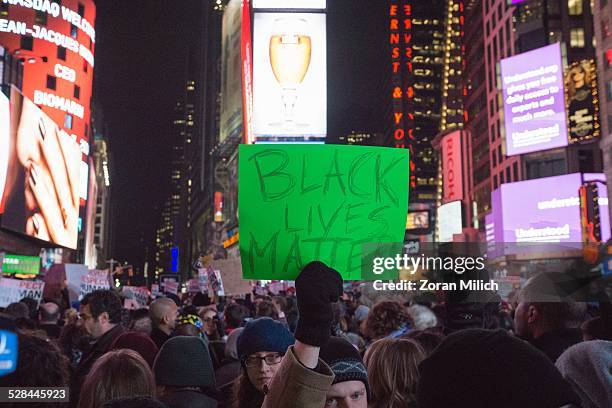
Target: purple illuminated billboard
{"x":545,"y":210}
{"x":534,"y":101}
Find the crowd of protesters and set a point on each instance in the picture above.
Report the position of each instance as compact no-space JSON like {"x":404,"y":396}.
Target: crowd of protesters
{"x":321,"y":344}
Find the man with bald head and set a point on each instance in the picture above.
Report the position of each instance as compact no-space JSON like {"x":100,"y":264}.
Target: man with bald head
{"x":48,"y":317}
{"x":163,"y":314}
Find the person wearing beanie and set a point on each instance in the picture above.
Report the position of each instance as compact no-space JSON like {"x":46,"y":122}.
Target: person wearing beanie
{"x":184,"y":372}
{"x":140,"y":343}
{"x":303,"y":378}
{"x":350,"y":387}
{"x":261,"y":346}
{"x":489,"y":368}
{"x":587,"y":367}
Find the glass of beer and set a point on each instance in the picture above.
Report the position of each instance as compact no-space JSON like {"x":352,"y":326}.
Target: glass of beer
{"x":290,"y":52}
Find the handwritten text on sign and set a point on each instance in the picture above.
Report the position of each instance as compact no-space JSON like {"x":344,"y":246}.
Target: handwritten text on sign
{"x":299,"y":203}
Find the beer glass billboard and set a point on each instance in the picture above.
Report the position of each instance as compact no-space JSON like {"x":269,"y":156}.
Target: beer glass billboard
{"x":534,"y":101}
{"x":289,"y":76}
{"x":289,"y":4}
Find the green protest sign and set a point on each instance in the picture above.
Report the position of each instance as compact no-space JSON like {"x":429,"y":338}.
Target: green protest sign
{"x":298,"y":203}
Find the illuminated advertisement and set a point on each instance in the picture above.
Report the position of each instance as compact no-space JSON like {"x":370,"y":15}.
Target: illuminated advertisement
{"x":534,"y":101}
{"x":231,"y":68}
{"x":289,"y":4}
{"x":582,"y":101}
{"x":246,"y":52}
{"x":41,"y":196}
{"x":449,"y":221}
{"x":452,"y":180}
{"x":57,"y":40}
{"x":417,"y":220}
{"x":545,"y":210}
{"x":4,"y":142}
{"x":289,"y":76}
{"x":402,"y":91}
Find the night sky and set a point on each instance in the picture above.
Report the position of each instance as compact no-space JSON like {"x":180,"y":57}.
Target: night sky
{"x":140,"y":54}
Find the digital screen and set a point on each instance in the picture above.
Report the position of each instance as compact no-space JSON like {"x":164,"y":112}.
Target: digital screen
{"x":41,"y":196}
{"x":452,"y":178}
{"x":417,"y":220}
{"x":289,"y":4}
{"x":582,"y":101}
{"x":545,"y":210}
{"x":20,"y":264}
{"x":231,"y":66}
{"x":449,"y":221}
{"x":534,"y":101}
{"x":289,"y":76}
{"x":5,"y":143}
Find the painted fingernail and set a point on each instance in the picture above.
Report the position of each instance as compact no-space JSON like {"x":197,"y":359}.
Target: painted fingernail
{"x":41,"y":128}
{"x":36,"y":222}
{"x":33,"y":174}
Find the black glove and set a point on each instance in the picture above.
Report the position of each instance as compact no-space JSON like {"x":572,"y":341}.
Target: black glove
{"x":316,"y":287}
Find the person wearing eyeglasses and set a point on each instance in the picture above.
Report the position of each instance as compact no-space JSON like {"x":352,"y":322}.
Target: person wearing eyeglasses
{"x":261,"y":346}
{"x":210,"y":320}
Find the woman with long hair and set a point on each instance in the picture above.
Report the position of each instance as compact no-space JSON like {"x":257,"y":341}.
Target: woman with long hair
{"x":393,"y":373}
{"x":117,"y":374}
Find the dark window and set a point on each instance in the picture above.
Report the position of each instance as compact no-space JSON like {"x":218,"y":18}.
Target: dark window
{"x":57,"y":1}
{"x":494,"y":182}
{"x":85,"y":68}
{"x":41,"y":18}
{"x":499,"y":154}
{"x":51,"y":82}
{"x":68,"y":121}
{"x":26,"y":43}
{"x":494,"y":160}
{"x":508,"y":178}
{"x":77,"y":92}
{"x":501,"y":178}
{"x":74,"y":31}
{"x":4,"y":9}
{"x":81,"y":10}
{"x":515,"y":171}
{"x":90,"y":44}
{"x":61,"y":53}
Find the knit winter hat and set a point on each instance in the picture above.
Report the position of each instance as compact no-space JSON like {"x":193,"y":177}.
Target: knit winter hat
{"x":184,"y":361}
{"x":264,"y":334}
{"x":489,"y":368}
{"x":588,"y":368}
{"x":344,"y":360}
{"x":140,"y":343}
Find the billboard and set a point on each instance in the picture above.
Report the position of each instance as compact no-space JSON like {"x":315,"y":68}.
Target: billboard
{"x":231,"y":72}
{"x":246,"y":52}
{"x":449,"y":221}
{"x":289,"y":76}
{"x":42,"y":193}
{"x":534,"y":101}
{"x":452,"y":176}
{"x":417,"y":220}
{"x":5,"y":143}
{"x":582,"y":101}
{"x":545,"y":210}
{"x":290,"y":4}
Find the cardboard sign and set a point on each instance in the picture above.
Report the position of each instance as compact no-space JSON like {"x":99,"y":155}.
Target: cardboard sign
{"x":171,"y":286}
{"x":193,"y":285}
{"x":231,"y":271}
{"x":215,"y":282}
{"x":74,"y":273}
{"x":203,"y":279}
{"x":13,"y":290}
{"x":94,"y":280}
{"x":154,"y":290}
{"x":299,"y":203}
{"x":139,"y":296}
